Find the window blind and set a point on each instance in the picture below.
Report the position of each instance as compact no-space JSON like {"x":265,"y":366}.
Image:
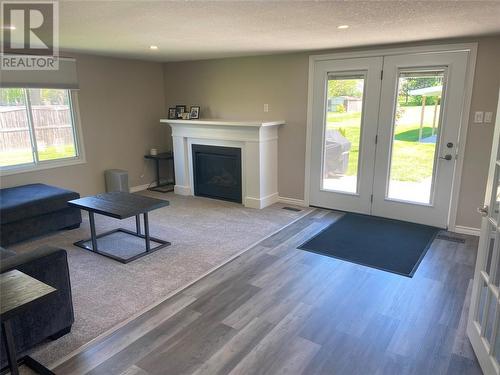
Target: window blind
{"x":63,"y":78}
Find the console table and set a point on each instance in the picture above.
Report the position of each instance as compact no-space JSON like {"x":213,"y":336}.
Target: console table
{"x":19,"y":293}
{"x":162,"y":188}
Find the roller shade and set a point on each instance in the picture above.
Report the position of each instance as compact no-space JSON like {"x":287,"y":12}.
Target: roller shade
{"x":63,"y":78}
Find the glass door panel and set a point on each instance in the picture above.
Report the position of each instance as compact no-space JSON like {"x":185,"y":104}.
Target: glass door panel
{"x":483,"y":323}
{"x":343,"y":132}
{"x":344,"y":121}
{"x":415,"y":136}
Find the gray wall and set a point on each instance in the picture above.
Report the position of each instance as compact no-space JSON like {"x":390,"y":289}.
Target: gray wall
{"x":237,"y":88}
{"x":120,"y":103}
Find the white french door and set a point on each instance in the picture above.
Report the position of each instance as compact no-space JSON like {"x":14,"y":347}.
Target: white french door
{"x":343,"y":146}
{"x":384,"y":134}
{"x":484,"y":313}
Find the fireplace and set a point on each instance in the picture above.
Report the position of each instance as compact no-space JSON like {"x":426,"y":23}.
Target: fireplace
{"x":217,"y":172}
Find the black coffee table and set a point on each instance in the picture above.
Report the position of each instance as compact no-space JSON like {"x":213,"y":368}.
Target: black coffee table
{"x":120,"y":244}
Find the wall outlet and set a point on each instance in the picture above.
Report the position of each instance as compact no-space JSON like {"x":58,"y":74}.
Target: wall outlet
{"x":478,"y":117}
{"x":488,"y":117}
{"x":266,"y":107}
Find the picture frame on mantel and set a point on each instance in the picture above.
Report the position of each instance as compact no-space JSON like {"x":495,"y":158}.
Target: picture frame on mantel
{"x":194,"y":111}
{"x":172,"y":113}
{"x":180,"y":109}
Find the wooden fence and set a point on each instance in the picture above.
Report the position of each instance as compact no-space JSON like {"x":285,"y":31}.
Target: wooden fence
{"x":52,"y":127}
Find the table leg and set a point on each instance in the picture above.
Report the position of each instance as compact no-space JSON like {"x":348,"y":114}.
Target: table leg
{"x":138,"y":224}
{"x":92,"y":231}
{"x":146,"y":231}
{"x":10,"y":347}
{"x":157,"y":172}
{"x":173,"y":171}
{"x":37,"y":366}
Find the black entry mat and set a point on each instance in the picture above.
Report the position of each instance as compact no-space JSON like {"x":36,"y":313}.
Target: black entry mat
{"x":390,"y":245}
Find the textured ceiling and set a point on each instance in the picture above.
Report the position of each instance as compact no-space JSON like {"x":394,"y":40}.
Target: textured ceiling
{"x":208,"y":29}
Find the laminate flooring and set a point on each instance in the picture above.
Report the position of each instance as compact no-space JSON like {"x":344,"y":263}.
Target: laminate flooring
{"x":279,"y":310}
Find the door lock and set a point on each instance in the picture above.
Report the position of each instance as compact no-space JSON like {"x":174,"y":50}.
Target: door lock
{"x":483,"y":210}
{"x":446,"y":157}
{"x":449,"y":145}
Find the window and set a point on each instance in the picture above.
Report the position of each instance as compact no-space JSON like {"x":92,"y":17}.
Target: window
{"x":37,"y":129}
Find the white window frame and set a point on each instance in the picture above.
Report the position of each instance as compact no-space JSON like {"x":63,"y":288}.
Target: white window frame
{"x":38,"y":165}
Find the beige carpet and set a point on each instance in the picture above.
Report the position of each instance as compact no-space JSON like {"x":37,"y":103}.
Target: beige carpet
{"x":204,"y":234}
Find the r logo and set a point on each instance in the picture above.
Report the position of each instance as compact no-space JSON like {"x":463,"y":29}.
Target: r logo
{"x":30,"y":28}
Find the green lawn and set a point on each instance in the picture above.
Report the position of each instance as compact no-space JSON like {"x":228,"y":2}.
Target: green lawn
{"x":24,"y":156}
{"x":412,"y":161}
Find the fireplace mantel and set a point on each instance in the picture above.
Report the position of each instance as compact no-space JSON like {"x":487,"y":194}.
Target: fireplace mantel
{"x":258,"y":141}
{"x":256,"y":124}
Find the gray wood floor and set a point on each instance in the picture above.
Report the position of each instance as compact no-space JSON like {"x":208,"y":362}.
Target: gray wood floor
{"x":279,"y":310}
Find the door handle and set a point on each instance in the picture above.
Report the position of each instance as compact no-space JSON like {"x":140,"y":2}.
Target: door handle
{"x":483,"y":210}
{"x":446,"y":157}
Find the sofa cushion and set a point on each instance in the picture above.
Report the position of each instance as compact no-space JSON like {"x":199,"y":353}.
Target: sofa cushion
{"x":20,"y":202}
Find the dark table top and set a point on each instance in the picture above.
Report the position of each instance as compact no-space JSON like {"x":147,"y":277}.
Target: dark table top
{"x":161,"y":156}
{"x":19,"y":291}
{"x":118,"y":205}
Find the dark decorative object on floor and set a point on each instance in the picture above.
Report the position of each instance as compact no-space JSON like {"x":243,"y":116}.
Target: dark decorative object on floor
{"x":121,"y":206}
{"x":52,"y":317}
{"x":32,"y":210}
{"x":386,"y":244}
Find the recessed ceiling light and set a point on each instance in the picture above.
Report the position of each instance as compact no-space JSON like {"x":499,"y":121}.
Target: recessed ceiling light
{"x":153,"y":47}
{"x":343,"y":27}
{"x":9,"y":27}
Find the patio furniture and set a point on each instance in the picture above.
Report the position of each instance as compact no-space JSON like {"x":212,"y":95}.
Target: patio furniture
{"x":336,"y":153}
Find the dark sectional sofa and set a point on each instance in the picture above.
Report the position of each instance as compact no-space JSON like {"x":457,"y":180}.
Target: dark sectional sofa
{"x":32,"y":210}
{"x":53,"y":317}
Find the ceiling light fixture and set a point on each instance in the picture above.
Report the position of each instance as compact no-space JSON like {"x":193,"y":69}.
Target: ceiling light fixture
{"x":153,"y":47}
{"x":341,"y":27}
{"x":9,"y":27}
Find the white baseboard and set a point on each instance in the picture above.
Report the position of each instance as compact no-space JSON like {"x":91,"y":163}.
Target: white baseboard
{"x":259,"y":203}
{"x":182,"y":190}
{"x":293,"y":201}
{"x":135,"y":189}
{"x":467,"y":230}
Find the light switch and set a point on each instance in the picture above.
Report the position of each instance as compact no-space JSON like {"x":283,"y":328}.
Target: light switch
{"x":488,"y":117}
{"x":478,"y":117}
{"x":266,"y":107}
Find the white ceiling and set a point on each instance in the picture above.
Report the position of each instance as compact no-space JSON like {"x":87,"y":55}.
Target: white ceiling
{"x":208,"y":29}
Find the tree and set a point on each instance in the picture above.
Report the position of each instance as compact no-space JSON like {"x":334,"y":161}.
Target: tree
{"x":11,"y":96}
{"x":413,"y":83}
{"x":344,"y":87}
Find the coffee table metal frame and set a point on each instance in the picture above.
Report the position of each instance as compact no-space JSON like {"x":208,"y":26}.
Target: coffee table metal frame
{"x":137,"y":233}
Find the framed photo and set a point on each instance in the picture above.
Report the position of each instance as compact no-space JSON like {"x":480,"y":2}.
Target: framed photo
{"x":194,"y":111}
{"x":179,"y":110}
{"x":172,"y":113}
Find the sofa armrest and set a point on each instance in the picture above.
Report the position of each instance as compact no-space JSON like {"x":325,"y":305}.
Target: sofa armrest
{"x":47,"y":264}
{"x":55,"y":314}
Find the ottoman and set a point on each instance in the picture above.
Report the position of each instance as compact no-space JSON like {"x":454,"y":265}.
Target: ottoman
{"x":32,"y":210}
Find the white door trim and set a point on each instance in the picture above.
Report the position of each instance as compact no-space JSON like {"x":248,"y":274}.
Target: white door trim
{"x":471,"y":48}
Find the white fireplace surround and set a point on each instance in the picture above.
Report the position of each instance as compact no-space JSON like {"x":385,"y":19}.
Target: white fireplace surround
{"x":258,"y":142}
